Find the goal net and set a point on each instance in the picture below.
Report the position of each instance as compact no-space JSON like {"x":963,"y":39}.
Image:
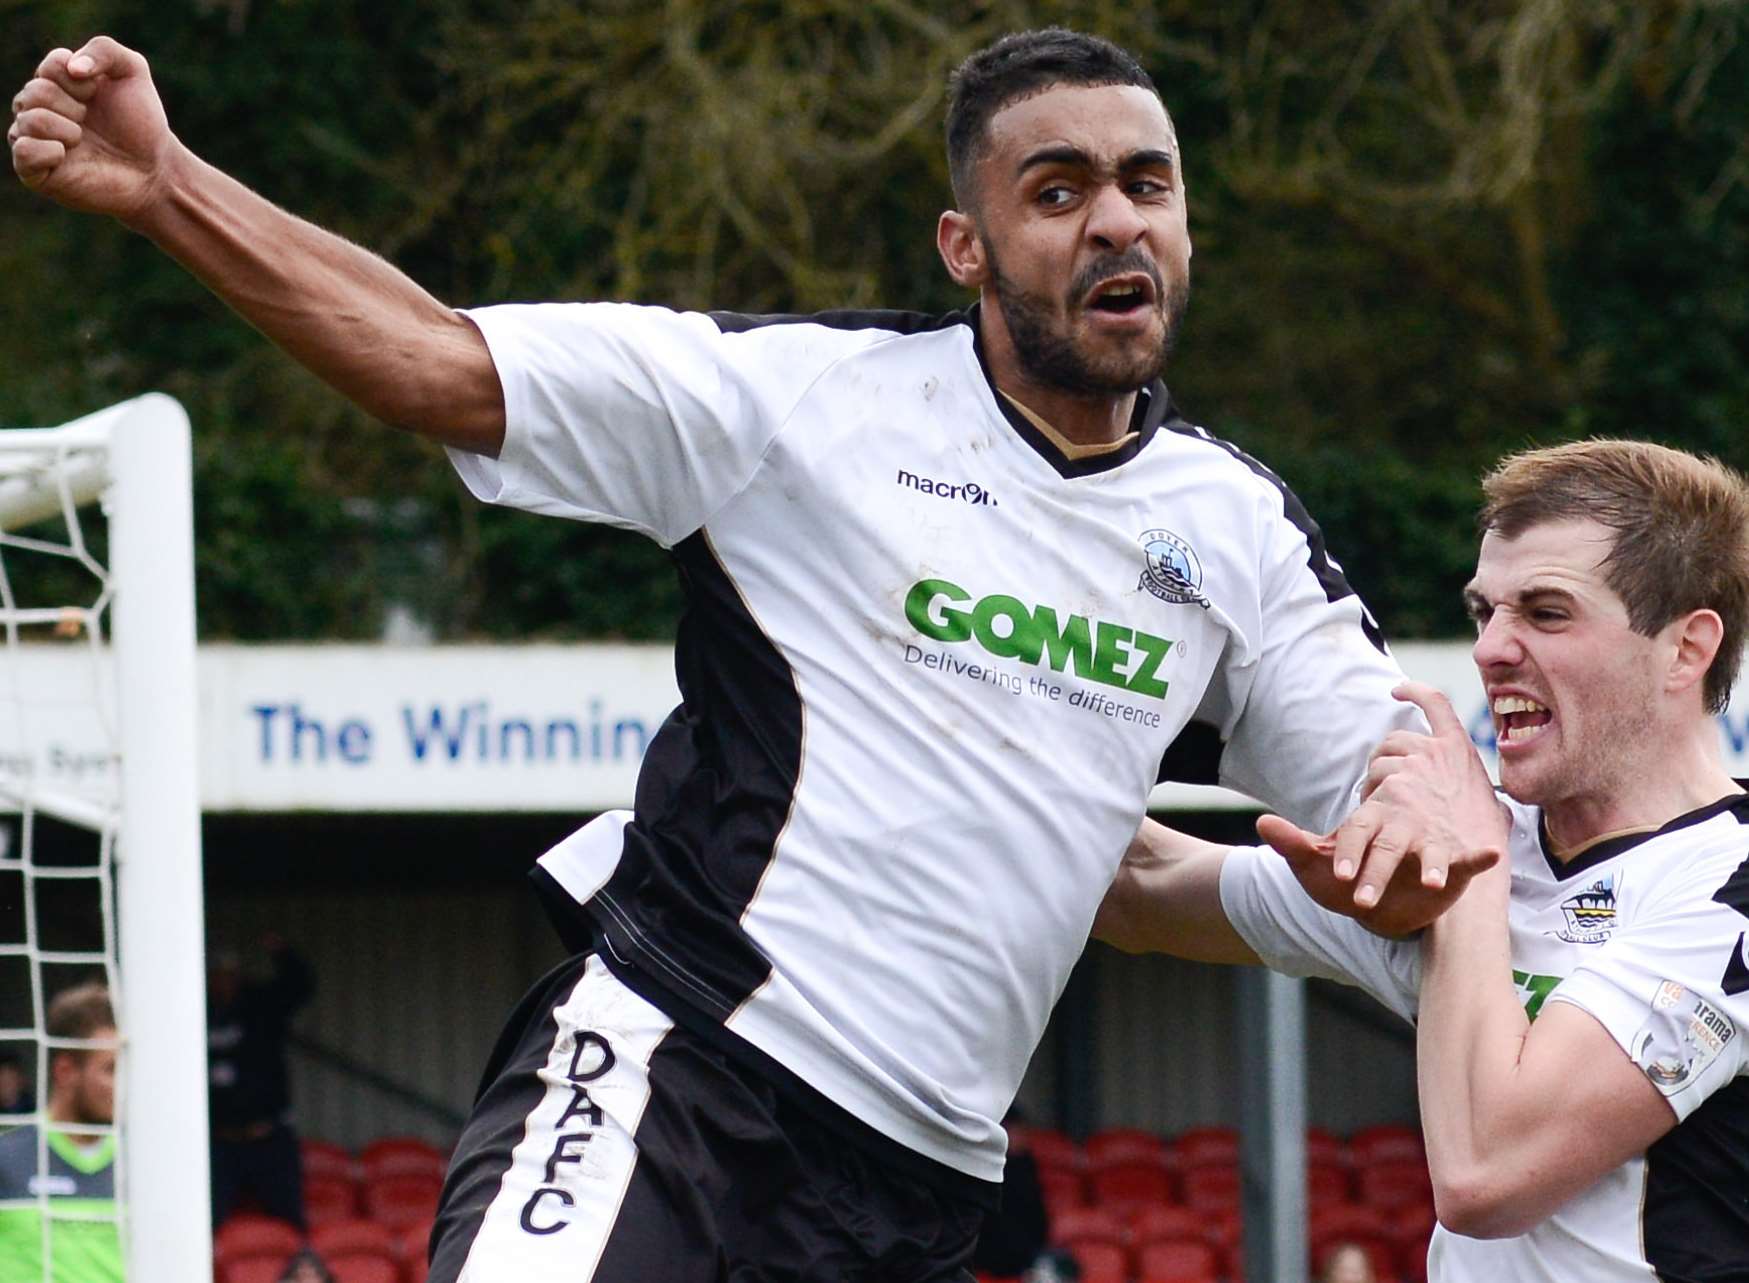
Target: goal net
{"x":100,"y":824}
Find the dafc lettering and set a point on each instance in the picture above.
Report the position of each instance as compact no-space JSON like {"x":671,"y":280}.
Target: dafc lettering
{"x":1096,"y":650}
{"x":965,"y":491}
{"x":568,"y":1146}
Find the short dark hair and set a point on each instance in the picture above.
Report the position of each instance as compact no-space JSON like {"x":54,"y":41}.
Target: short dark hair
{"x":1017,"y":66}
{"x":81,"y":1012}
{"x":1680,"y":524}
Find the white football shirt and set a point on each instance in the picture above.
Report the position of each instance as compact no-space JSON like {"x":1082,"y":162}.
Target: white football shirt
{"x":930,"y":670}
{"x":1645,"y":932}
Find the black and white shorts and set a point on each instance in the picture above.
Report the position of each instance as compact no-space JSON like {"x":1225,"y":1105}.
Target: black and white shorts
{"x":611,"y":1146}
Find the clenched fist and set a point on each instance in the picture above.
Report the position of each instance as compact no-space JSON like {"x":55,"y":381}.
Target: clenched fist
{"x":89,"y":130}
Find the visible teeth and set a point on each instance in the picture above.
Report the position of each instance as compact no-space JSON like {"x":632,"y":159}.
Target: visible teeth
{"x":1121,"y":291}
{"x":1519,"y":732}
{"x":1504,"y":704}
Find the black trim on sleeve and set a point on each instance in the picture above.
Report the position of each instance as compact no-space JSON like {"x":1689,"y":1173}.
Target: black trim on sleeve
{"x":1329,"y":575}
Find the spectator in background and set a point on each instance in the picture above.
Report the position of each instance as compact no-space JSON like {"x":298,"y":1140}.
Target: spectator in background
{"x":254,"y":1148}
{"x":1348,"y":1263}
{"x":16,"y":1097}
{"x":74,"y":1164}
{"x":306,"y":1267}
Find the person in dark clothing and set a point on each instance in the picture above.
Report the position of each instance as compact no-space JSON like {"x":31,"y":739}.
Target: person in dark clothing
{"x":1013,"y":1237}
{"x":254,"y":1147}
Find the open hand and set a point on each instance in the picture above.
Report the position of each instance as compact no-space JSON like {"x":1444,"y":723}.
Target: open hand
{"x":89,"y":130}
{"x":1429,"y":823}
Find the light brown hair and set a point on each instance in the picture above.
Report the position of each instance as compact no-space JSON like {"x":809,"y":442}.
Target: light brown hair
{"x":81,"y":1012}
{"x":1680,"y":523}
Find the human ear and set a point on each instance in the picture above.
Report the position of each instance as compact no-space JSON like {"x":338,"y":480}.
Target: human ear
{"x":1696,"y":638}
{"x":962,"y":249}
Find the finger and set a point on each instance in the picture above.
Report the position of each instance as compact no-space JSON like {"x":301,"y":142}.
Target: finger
{"x":54,"y":70}
{"x":1441,"y":716}
{"x":50,"y":96}
{"x":34,"y":159}
{"x":101,"y":56}
{"x":1379,"y":770}
{"x":1470,"y":864}
{"x":1383,"y":854}
{"x":1403,"y":744}
{"x":1352,"y":840}
{"x":39,"y":122}
{"x":1290,"y":840}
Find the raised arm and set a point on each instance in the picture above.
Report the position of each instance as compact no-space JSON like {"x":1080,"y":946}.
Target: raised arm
{"x":89,"y":131}
{"x":1501,"y":1159}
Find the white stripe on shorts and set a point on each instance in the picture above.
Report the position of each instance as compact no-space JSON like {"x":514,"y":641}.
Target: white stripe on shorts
{"x":558,"y":1202}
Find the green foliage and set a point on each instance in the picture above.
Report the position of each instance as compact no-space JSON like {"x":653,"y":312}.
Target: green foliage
{"x":1426,"y":233}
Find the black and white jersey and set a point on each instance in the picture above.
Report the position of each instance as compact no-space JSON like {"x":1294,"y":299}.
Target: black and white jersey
{"x":1645,"y":932}
{"x":930,"y":670}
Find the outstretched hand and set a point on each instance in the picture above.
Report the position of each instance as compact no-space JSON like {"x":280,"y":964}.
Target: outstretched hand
{"x":1429,"y":824}
{"x":89,"y":130}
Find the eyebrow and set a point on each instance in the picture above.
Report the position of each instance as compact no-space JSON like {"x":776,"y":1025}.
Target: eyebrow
{"x":1145,"y":158}
{"x":1475,"y":601}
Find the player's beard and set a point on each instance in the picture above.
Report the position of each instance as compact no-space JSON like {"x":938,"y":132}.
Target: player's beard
{"x":1046,"y":349}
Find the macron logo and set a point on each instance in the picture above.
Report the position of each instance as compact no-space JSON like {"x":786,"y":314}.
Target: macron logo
{"x":966,"y":492}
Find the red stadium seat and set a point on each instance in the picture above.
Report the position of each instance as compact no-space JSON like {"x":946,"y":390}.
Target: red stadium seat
{"x":1411,"y":1228}
{"x":1101,"y":1262}
{"x":401,"y":1156}
{"x":1388,"y":1185}
{"x":325,"y":1158}
{"x":1211,"y":1185}
{"x":248,"y":1235}
{"x":1387,"y":1142}
{"x":1118,"y":1144}
{"x":1326,"y":1183}
{"x":341,"y":1237}
{"x":328,"y":1199}
{"x":1323,"y":1147}
{"x":1062,"y":1188}
{"x":1177,"y":1261}
{"x":1346,"y":1220}
{"x":400,"y":1201}
{"x":1163,"y":1221}
{"x":1088,"y":1225}
{"x":414,"y":1245}
{"x":1122,"y":1184}
{"x":1202,"y":1145}
{"x":363,"y":1267}
{"x":1220,"y":1227}
{"x":1052,"y":1149}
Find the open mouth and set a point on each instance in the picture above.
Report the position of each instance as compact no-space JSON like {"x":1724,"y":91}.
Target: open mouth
{"x":1121,"y":295}
{"x":1518,"y":719}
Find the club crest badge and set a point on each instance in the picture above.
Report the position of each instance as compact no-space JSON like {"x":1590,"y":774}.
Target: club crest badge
{"x":1682,"y":1035}
{"x":1590,"y":915}
{"x":1172,"y":572}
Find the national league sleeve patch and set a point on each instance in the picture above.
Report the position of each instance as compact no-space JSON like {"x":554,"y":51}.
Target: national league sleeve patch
{"x":1681,"y":1036}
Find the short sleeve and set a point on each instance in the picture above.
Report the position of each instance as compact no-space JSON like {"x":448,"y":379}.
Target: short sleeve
{"x":639,"y":417}
{"x":1293,"y":935}
{"x":1672,"y":989}
{"x":1312,"y":699}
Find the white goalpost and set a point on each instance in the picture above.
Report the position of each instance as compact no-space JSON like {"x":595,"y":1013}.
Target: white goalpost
{"x":97,"y":514}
